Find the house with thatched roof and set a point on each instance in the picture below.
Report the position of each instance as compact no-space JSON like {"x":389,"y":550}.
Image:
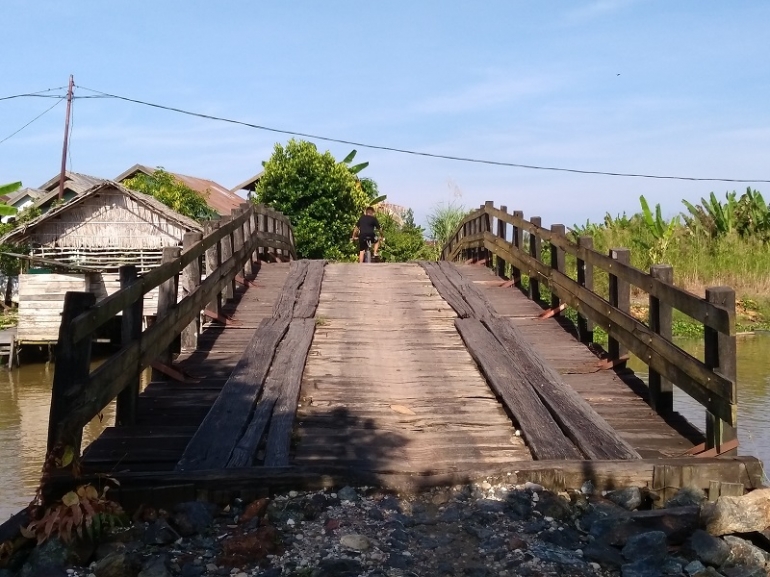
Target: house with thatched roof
{"x":218,"y":198}
{"x":80,"y":245}
{"x":75,"y":184}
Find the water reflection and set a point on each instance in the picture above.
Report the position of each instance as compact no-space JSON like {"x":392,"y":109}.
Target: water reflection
{"x":25,"y":397}
{"x":753,"y":388}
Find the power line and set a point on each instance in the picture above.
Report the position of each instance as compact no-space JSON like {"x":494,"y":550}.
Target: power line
{"x":55,"y":104}
{"x":38,"y":94}
{"x":101,"y":94}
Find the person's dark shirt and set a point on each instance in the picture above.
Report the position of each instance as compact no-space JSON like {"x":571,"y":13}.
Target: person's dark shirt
{"x":366,"y":225}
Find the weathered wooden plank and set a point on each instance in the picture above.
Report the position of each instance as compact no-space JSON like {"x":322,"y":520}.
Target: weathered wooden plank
{"x":587,"y":429}
{"x":214,"y":441}
{"x":447,"y":290}
{"x":284,"y":306}
{"x":479,"y":303}
{"x":542,"y":433}
{"x":297,"y":345}
{"x":311,"y":291}
{"x":555,"y":475}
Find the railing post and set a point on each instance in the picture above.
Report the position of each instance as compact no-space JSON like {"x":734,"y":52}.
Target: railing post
{"x":167,"y":297}
{"x":534,"y":252}
{"x":619,"y":297}
{"x":487,"y":226}
{"x":720,"y":356}
{"x":130,"y":330}
{"x":191,"y":279}
{"x":262,"y":227}
{"x":237,"y":238}
{"x":247,"y":265}
{"x":518,"y":243}
{"x":502,"y":232}
{"x":213,"y":262}
{"x":73,"y":364}
{"x":226,"y":251}
{"x":557,"y":260}
{"x":661,"y":390}
{"x":271,"y":228}
{"x":254,"y":227}
{"x":585,"y":278}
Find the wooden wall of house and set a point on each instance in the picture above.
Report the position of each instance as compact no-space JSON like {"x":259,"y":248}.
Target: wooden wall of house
{"x":41,"y":301}
{"x":104,"y":284}
{"x":106,"y":220}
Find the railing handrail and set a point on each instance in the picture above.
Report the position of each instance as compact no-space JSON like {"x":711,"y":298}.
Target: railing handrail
{"x":711,"y":383}
{"x":80,"y":394}
{"x":86,"y":323}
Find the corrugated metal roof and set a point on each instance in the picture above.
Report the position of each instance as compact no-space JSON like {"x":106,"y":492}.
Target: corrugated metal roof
{"x":217,"y":196}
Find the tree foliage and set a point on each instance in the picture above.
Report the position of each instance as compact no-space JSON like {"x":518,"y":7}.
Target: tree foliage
{"x":322,"y":198}
{"x":443,"y":221}
{"x":404,"y":242}
{"x":173,"y":193}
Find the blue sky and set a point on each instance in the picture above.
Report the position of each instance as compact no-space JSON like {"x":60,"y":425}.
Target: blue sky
{"x":654,"y":87}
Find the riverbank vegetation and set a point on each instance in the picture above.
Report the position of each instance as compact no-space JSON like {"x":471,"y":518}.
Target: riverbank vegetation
{"x":715,"y":242}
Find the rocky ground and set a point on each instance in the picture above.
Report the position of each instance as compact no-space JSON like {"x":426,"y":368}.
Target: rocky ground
{"x":474,"y":531}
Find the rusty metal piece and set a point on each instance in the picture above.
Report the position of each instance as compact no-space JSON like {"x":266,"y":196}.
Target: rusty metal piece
{"x":220,"y":318}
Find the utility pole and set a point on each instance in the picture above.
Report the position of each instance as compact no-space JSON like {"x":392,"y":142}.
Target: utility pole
{"x":66,"y":138}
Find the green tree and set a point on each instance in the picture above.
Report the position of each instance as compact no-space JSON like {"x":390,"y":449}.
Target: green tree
{"x":321,"y":197}
{"x":403,"y":242}
{"x":173,"y":193}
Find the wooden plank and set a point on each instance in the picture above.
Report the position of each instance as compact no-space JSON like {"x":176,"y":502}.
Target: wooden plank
{"x":191,"y":279}
{"x":581,"y":423}
{"x":446,"y":289}
{"x":474,"y":297}
{"x":131,"y":328}
{"x":212,"y":444}
{"x":311,"y":291}
{"x":555,"y":475}
{"x":284,"y":306}
{"x":297,"y":345}
{"x":543,"y":435}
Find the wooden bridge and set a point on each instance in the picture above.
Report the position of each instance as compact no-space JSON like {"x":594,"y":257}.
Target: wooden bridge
{"x":308,"y":374}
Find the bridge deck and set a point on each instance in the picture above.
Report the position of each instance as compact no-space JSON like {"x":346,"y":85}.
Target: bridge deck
{"x":620,"y":399}
{"x":388,"y":386}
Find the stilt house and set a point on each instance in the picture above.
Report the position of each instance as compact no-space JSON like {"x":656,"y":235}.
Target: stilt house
{"x":80,"y":245}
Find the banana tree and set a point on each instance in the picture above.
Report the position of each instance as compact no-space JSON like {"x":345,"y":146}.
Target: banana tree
{"x":661,"y":230}
{"x":6,"y":210}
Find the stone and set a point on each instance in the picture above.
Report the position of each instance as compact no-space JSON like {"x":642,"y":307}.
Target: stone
{"x":390,"y":503}
{"x":191,"y":570}
{"x":338,"y":568}
{"x":159,"y":532}
{"x":687,"y":497}
{"x":240,"y":550}
{"x":629,"y":498}
{"x":694,"y":567}
{"x":640,"y":568}
{"x":517,"y":543}
{"x":708,"y":549}
{"x":651,"y":546}
{"x":603,"y":554}
{"x":355,"y":542}
{"x":347,"y":494}
{"x":116,"y":565}
{"x":254,"y":510}
{"x":743,"y":552}
{"x":50,"y":557}
{"x":743,"y":571}
{"x":192,"y":517}
{"x":745,"y":514}
{"x":155,"y":567}
{"x":375,"y":514}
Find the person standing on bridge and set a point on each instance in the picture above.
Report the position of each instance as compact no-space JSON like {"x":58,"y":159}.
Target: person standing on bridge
{"x":366,"y":229}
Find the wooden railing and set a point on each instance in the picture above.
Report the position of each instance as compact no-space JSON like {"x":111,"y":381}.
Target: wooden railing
{"x":227,"y":253}
{"x":483,"y":235}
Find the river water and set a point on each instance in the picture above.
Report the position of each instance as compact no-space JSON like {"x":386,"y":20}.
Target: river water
{"x":25,"y":394}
